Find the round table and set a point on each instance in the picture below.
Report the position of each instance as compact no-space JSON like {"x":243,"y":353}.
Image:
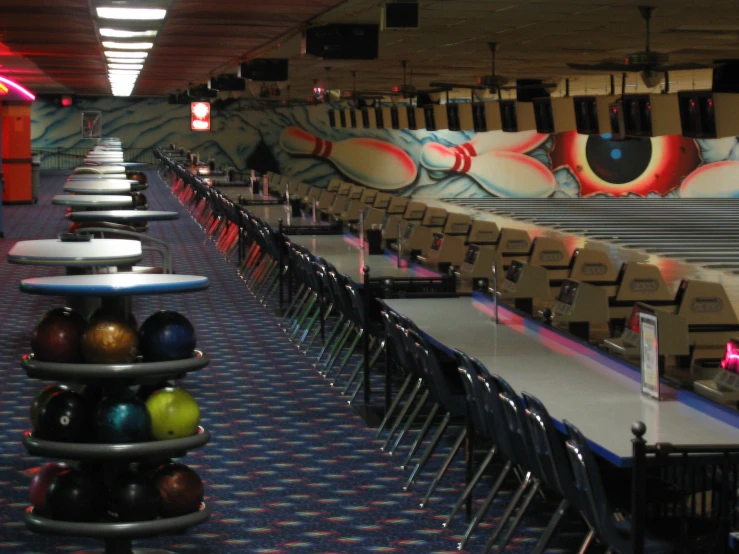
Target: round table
{"x":83,"y":201}
{"x":123,"y":216}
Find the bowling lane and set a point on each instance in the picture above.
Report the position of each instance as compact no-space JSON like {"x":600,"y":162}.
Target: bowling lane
{"x":348,"y":257}
{"x":685,"y":239}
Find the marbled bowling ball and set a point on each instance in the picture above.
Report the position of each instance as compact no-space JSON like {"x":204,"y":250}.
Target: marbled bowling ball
{"x":66,"y":416}
{"x":174,"y":414}
{"x":180,"y":488}
{"x":73,"y":496}
{"x":56,"y":337}
{"x":105,"y":311}
{"x":122,"y":419}
{"x":133,"y":497}
{"x":41,"y":481}
{"x":109,"y":340}
{"x":41,"y":399}
{"x":166,"y":335}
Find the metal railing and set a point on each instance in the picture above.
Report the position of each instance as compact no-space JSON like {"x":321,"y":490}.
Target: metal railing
{"x":69,"y":158}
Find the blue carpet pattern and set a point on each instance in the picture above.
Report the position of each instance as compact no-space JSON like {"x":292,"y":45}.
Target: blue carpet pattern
{"x":290,"y":467}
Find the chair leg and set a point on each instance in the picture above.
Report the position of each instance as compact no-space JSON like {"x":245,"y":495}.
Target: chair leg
{"x":394,"y":405}
{"x":293,"y":303}
{"x":586,"y":543}
{"x":429,"y":450}
{"x":360,"y":365}
{"x":408,"y":422}
{"x":467,"y":491}
{"x":317,"y":332}
{"x":345,"y":360}
{"x":339,"y":325}
{"x":444,"y":467}
{"x":549,"y":531}
{"x":402,"y":413}
{"x":519,"y":516}
{"x":508,"y":512}
{"x":337,"y":346}
{"x":335,"y":356}
{"x":485,"y":505}
{"x":420,"y":436}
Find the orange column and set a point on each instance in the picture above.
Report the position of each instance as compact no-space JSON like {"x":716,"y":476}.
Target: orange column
{"x":16,"y":151}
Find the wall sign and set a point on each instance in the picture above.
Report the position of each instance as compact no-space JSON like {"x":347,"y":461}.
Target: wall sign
{"x":649,"y":355}
{"x":200,"y":116}
{"x":92,"y":125}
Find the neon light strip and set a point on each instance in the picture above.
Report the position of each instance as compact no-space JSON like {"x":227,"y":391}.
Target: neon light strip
{"x":18,"y":88}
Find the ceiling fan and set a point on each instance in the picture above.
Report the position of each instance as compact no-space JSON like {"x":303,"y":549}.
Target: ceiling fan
{"x":651,"y":64}
{"x":407,"y":90}
{"x":492,"y":82}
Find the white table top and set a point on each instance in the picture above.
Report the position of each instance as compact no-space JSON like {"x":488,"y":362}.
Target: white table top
{"x":92,"y":200}
{"x":123,"y":215}
{"x":113,"y":186}
{"x":100,"y":177}
{"x":344,"y":253}
{"x":88,"y":253}
{"x":272,"y":214}
{"x":100,"y":169}
{"x":574,"y":385}
{"x":120,"y":284}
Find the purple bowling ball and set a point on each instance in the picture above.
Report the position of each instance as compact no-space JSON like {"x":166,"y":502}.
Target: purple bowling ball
{"x":41,"y":481}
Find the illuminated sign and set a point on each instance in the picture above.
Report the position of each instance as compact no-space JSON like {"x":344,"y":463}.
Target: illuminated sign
{"x":200,"y":116}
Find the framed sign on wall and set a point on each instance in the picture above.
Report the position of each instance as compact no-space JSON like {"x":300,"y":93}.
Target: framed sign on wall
{"x":92,"y":125}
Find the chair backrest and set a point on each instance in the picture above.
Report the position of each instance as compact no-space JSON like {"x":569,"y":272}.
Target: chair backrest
{"x":448,"y":386}
{"x":596,"y":508}
{"x":515,"y":418}
{"x":475,"y":396}
{"x":549,"y":446}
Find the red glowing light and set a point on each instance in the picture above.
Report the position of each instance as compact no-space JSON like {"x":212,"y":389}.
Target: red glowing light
{"x":396,"y":88}
{"x":710,"y":103}
{"x":692,"y":103}
{"x":731,"y":357}
{"x":66,"y":101}
{"x":200,"y":116}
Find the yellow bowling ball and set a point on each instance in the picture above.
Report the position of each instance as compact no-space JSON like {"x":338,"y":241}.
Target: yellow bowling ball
{"x":174,"y":414}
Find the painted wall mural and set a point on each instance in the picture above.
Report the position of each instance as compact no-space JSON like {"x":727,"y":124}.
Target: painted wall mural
{"x":300,"y":143}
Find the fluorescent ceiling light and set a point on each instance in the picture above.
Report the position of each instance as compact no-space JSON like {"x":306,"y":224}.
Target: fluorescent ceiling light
{"x":120,"y":33}
{"x":126,"y":65}
{"x":123,"y":72}
{"x":114,"y":54}
{"x":126,"y":60}
{"x":148,"y":14}
{"x":127,"y":45}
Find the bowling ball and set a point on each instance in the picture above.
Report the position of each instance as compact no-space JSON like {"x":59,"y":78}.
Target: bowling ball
{"x":41,"y":481}
{"x":41,"y":399}
{"x":133,"y":497}
{"x":166,"y":335}
{"x":56,"y":337}
{"x":174,"y":414}
{"x":65,"y":417}
{"x":106,"y":311}
{"x":109,"y":340}
{"x":73,"y":496}
{"x":180,"y":489}
{"x":145,"y":391}
{"x":123,"y":418}
{"x":139,"y":200}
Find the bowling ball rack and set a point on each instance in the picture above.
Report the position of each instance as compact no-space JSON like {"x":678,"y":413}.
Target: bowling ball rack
{"x":113,"y":459}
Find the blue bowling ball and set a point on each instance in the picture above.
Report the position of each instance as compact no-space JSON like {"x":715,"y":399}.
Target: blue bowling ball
{"x":166,"y":335}
{"x":122,"y":419}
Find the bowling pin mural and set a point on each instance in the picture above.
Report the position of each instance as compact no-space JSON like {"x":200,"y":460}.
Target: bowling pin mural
{"x":715,"y":180}
{"x":367,"y":161}
{"x":504,"y":174}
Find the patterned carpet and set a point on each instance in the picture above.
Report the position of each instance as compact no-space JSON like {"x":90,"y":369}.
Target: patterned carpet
{"x":290,"y":467}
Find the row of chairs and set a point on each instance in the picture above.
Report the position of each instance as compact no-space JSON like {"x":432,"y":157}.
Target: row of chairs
{"x":440,"y":391}
{"x":456,"y":391}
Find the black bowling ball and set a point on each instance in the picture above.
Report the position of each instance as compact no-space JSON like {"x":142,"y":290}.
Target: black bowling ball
{"x":73,"y":496}
{"x":133,"y":497}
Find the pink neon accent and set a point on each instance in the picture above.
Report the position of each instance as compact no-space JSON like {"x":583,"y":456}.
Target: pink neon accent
{"x":17,"y":87}
{"x":731,"y":358}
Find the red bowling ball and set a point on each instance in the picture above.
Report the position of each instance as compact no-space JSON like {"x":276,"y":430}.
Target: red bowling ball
{"x":41,"y":481}
{"x":56,"y":337}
